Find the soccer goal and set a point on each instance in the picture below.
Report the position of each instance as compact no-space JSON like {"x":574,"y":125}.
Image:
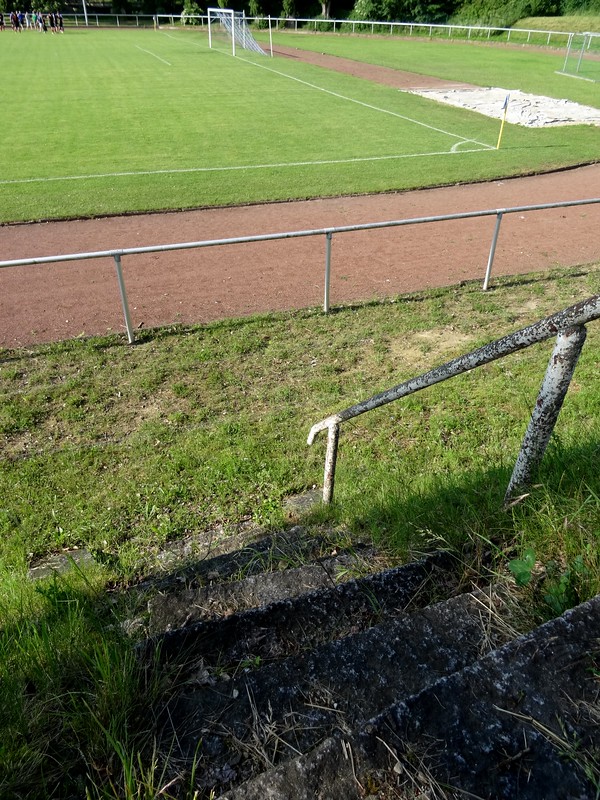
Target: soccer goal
{"x":583,"y":57}
{"x":224,"y":24}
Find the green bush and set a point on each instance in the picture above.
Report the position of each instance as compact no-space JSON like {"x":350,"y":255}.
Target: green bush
{"x":324,"y":25}
{"x":402,"y":10}
{"x":580,"y":7}
{"x":255,"y":10}
{"x":288,"y":9}
{"x":190,"y":12}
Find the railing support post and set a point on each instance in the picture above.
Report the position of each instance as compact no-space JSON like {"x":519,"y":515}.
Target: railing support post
{"x":549,"y":402}
{"x":488,"y":271}
{"x":130,"y":337}
{"x":328,"y":238}
{"x":333,"y":436}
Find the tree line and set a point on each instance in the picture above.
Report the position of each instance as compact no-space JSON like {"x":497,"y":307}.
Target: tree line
{"x":499,"y":13}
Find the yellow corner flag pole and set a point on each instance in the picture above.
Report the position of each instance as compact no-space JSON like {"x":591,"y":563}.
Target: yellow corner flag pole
{"x":505,"y":109}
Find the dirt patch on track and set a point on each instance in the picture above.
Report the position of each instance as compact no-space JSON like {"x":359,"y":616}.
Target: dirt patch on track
{"x":385,"y":75}
{"x":59,"y":301}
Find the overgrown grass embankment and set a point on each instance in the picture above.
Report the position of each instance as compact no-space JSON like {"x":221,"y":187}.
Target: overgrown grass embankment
{"x":574,"y":23}
{"x":120,"y":449}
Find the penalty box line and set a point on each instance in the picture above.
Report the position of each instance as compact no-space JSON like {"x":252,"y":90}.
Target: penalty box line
{"x":237,"y":167}
{"x":483,"y":145}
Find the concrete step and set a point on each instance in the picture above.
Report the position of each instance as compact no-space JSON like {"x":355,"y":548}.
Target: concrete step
{"x":182,"y":605}
{"x":285,"y":627}
{"x":248,"y":553}
{"x":235,"y":724}
{"x":520,"y":723}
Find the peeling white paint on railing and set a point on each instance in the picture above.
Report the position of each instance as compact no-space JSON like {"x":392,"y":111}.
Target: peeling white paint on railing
{"x":328,"y":233}
{"x":567,"y":325}
{"x":552,"y":393}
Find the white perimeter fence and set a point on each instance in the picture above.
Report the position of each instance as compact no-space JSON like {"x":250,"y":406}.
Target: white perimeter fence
{"x":328,"y":233}
{"x":431,"y":30}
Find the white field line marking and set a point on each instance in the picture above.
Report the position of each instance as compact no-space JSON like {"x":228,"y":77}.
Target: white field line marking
{"x":281,"y":165}
{"x":155,"y":56}
{"x":352,"y":99}
{"x":367,"y":105}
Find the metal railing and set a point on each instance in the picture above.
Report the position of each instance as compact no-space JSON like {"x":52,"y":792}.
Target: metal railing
{"x":430,"y":30}
{"x":568,"y":326}
{"x":118,"y":254}
{"x":317,"y":24}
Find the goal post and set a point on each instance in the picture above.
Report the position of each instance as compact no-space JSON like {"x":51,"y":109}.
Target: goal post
{"x":225,"y":23}
{"x":583,"y":57}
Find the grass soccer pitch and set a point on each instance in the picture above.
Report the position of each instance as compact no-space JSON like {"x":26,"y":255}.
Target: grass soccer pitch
{"x":113,"y":121}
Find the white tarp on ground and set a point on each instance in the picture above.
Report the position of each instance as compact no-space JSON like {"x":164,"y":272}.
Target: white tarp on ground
{"x":531,"y":110}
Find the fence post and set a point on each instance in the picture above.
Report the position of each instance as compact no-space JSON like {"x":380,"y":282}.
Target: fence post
{"x":488,"y":271}
{"x":549,"y":402}
{"x":130,"y":337}
{"x":333,"y":436}
{"x":328,"y":238}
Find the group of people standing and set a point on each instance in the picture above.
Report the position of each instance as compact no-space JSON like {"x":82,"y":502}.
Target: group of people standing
{"x":37,"y":20}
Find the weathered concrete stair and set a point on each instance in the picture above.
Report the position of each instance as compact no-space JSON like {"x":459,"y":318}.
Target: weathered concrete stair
{"x":304,"y":621}
{"x":521,"y":723}
{"x":194,"y":600}
{"x":361,"y":688}
{"x":257,"y":717}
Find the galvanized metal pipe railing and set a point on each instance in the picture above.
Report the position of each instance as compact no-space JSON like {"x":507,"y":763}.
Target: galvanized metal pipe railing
{"x":115,"y":254}
{"x":124,"y":303}
{"x":567,"y":325}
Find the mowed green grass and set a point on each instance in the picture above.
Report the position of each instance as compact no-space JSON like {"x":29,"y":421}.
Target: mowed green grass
{"x":120,"y":449}
{"x":480,"y":63}
{"x":110,"y":121}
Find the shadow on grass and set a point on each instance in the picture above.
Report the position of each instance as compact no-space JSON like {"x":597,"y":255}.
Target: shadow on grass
{"x":469,"y":511}
{"x":73,"y":697}
{"x":75,"y":700}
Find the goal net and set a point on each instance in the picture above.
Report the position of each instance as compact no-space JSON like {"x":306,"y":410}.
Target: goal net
{"x":583,"y":56}
{"x":231,"y":26}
